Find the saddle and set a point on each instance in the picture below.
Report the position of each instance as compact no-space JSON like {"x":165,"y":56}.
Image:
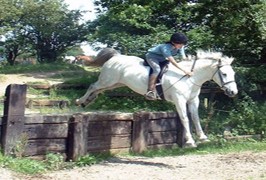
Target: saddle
{"x":164,"y":68}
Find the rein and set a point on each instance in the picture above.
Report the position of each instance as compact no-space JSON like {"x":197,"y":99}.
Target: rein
{"x":173,"y":84}
{"x":192,"y":69}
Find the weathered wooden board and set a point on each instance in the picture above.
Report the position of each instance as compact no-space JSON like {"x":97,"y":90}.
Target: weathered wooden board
{"x":109,"y":142}
{"x":46,"y":131}
{"x":162,"y":125}
{"x":101,"y":128}
{"x":44,"y":146}
{"x":43,"y":119}
{"x":102,"y":116}
{"x":162,"y":137}
{"x":44,"y":102}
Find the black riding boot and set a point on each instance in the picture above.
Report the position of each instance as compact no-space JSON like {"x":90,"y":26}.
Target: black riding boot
{"x":151,"y":94}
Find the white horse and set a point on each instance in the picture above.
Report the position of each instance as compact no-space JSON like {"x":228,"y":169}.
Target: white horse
{"x":120,"y":70}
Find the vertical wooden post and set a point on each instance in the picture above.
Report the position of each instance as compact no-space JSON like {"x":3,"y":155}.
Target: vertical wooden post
{"x":77,"y":137}
{"x":140,"y":132}
{"x":13,"y":120}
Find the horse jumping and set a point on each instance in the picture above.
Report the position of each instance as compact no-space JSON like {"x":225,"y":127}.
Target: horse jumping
{"x":121,"y":70}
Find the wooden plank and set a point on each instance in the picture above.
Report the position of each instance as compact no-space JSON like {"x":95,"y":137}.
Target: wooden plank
{"x":162,"y":137}
{"x":13,"y":119}
{"x":44,"y":146}
{"x":101,"y":128}
{"x":109,"y":142}
{"x":47,"y":119}
{"x":159,"y":115}
{"x":140,"y":132}
{"x":45,"y":131}
{"x":77,"y":137}
{"x":44,"y":102}
{"x":110,"y":116}
{"x":162,"y":125}
{"x":40,"y":86}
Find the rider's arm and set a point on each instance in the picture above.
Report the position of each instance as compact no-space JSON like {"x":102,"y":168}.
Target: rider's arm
{"x":172,"y":60}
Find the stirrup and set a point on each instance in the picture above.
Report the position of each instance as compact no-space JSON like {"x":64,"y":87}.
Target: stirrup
{"x":150,"y":95}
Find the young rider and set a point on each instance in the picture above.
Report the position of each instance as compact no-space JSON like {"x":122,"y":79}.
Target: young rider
{"x":165,"y":52}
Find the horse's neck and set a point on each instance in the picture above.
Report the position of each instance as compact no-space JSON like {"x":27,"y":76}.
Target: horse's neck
{"x":203,"y":70}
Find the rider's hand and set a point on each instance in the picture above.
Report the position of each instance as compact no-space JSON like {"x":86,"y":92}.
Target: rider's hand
{"x":189,"y":73}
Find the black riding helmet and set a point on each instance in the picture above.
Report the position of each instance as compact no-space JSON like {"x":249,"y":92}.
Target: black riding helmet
{"x":179,"y":38}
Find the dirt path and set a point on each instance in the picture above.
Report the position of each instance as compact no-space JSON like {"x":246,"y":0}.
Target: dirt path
{"x":7,"y":79}
{"x":234,"y":166}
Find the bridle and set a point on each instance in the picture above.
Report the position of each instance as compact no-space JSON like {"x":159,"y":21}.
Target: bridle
{"x":217,"y":71}
{"x":223,"y":83}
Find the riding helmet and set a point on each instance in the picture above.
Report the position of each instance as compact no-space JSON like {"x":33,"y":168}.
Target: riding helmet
{"x":179,"y":38}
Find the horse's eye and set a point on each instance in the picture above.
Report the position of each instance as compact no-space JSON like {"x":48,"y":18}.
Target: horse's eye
{"x":224,"y":74}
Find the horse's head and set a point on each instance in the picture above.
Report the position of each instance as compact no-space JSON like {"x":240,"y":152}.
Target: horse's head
{"x":224,"y":76}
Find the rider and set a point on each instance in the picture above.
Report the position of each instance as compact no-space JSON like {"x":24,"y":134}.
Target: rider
{"x":164,"y":52}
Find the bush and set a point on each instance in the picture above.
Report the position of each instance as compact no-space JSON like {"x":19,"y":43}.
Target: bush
{"x":248,"y":117}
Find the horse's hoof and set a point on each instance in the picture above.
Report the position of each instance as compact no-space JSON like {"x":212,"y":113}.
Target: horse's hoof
{"x":205,"y":140}
{"x":190,"y":145}
{"x":77,"y":103}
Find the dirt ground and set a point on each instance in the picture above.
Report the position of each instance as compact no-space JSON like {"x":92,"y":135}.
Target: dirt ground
{"x":5,"y":80}
{"x":236,"y":166}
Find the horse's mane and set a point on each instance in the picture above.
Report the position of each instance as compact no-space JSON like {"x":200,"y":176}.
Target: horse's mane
{"x":209,"y":55}
{"x":103,"y":56}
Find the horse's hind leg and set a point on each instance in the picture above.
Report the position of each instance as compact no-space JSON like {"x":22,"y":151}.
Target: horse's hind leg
{"x":93,"y":92}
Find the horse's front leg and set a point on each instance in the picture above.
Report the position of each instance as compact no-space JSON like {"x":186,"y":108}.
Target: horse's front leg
{"x":182,"y":112}
{"x":193,"y":109}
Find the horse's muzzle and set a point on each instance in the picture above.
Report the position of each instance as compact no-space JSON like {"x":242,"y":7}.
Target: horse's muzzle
{"x":230,"y":93}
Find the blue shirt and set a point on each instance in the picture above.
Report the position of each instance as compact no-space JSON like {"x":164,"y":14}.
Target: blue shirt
{"x":163,"y":51}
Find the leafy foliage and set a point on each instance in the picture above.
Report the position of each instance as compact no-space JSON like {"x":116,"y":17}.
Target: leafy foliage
{"x":45,"y":28}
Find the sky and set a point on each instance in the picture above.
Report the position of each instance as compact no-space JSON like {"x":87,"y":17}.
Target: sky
{"x":86,"y":5}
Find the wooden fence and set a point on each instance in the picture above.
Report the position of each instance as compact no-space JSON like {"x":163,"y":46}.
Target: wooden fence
{"x":77,"y":134}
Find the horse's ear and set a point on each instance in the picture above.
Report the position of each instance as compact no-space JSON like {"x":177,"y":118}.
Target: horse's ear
{"x":228,"y":60}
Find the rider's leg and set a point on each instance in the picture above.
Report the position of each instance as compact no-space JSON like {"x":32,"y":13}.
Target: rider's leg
{"x":150,"y":95}
{"x":154,"y":64}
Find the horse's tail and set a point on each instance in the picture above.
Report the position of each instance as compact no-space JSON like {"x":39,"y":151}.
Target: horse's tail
{"x":103,"y":56}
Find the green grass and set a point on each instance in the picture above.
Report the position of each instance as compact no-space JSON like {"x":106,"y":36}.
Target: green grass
{"x":56,"y":161}
{"x":51,"y":162}
{"x":49,"y":67}
{"x":220,"y":146}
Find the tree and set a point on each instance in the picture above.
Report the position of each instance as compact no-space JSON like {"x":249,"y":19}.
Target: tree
{"x":235,"y":27}
{"x":55,"y":29}
{"x":238,"y":27}
{"x":134,"y":26}
{"x":9,"y":15}
{"x":46,"y":26}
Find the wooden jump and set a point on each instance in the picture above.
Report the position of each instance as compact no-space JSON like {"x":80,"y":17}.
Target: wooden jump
{"x":78,"y":134}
